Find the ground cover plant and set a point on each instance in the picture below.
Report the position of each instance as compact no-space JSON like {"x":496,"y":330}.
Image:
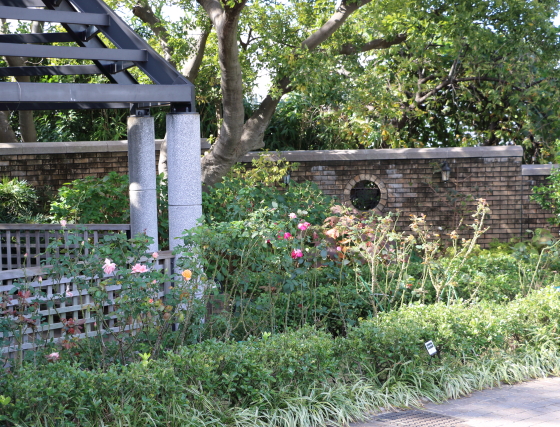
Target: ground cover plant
{"x":300,"y":378}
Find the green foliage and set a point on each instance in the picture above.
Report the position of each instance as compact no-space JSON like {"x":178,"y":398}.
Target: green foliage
{"x":277,"y":379}
{"x":93,"y":200}
{"x":18,"y":201}
{"x":548,"y":195}
{"x":245,"y":191}
{"x":272,"y":273}
{"x":81,"y":125}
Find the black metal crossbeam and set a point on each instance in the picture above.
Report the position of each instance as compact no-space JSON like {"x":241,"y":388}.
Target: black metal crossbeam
{"x":16,"y":106}
{"x":61,"y":70}
{"x":23,"y":3}
{"x":83,"y":20}
{"x":44,"y":15}
{"x":76,"y":30}
{"x":89,"y":92}
{"x":39,"y":51}
{"x":122,"y":36}
{"x":36,"y":38}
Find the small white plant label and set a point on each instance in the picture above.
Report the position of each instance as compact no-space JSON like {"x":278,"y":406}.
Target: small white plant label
{"x":431,"y":348}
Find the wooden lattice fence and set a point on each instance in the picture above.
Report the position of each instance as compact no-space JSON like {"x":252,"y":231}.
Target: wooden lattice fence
{"x":60,"y":298}
{"x":24,"y":245}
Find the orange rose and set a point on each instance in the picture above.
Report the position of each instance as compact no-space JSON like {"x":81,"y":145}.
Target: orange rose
{"x":187,"y":274}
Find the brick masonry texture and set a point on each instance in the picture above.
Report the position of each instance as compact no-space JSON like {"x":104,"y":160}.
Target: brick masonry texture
{"x":409,"y":180}
{"x":414,"y":187}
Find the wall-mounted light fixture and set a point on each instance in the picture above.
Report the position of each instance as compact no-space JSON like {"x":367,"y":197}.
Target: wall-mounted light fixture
{"x":286,"y":178}
{"x":445,"y":171}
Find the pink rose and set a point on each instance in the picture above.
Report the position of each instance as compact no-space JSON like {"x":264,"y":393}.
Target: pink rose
{"x":297,"y":253}
{"x":53,"y":357}
{"x":109,"y":266}
{"x":155,"y":255}
{"x":287,"y":236}
{"x":292,"y":216}
{"x":303,"y":226}
{"x":63,"y":223}
{"x":139,"y":268}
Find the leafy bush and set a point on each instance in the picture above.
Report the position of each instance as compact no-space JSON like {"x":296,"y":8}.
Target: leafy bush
{"x":93,"y":200}
{"x":548,"y":195}
{"x":246,"y":190}
{"x":294,"y":378}
{"x":274,"y":273}
{"x":18,"y":201}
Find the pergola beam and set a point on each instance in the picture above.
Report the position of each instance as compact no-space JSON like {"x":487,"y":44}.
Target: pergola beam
{"x":23,"y":3}
{"x":16,"y":106}
{"x":61,"y":70}
{"x":40,"y":51}
{"x":45,"y":15}
{"x":122,"y":36}
{"x":96,"y":93}
{"x":37,"y":38}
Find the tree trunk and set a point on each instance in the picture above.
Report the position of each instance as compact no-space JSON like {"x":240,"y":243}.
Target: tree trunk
{"x":237,"y":138}
{"x":162,"y":161}
{"x":6,"y":132}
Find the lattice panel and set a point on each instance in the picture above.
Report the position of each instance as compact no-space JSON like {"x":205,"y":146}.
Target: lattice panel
{"x":64,"y":306}
{"x":24,"y":245}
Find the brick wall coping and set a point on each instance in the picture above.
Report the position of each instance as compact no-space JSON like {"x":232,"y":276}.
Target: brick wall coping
{"x":396,"y":154}
{"x":536,"y":170}
{"x":73,"y":147}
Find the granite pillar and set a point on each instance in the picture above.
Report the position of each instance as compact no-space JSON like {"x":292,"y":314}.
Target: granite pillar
{"x":184,"y":174}
{"x":142,"y":173}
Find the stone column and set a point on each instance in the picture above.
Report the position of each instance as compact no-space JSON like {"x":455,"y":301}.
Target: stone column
{"x":142,"y":173}
{"x":183,"y":173}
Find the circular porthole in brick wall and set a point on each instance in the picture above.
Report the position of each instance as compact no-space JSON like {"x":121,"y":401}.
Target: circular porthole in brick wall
{"x":366,"y":192}
{"x":365,"y":195}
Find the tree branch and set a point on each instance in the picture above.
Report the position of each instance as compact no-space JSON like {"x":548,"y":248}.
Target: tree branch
{"x":213,"y":8}
{"x":192,"y":67}
{"x":348,"y":49}
{"x":333,"y":24}
{"x":143,"y":11}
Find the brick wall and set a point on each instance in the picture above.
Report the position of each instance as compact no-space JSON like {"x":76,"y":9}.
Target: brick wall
{"x":410,"y":183}
{"x":55,"y":163}
{"x":409,"y":179}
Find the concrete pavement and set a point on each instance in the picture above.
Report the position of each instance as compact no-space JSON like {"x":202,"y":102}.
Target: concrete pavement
{"x":530,"y":404}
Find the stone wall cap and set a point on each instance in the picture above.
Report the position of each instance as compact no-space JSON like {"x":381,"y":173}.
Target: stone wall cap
{"x":395,"y":154}
{"x":12,"y":148}
{"x":536,"y":170}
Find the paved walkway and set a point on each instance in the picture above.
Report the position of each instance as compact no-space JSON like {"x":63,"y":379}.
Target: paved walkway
{"x":530,"y":404}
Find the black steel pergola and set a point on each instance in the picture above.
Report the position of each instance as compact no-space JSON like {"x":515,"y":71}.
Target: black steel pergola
{"x":83,"y":21}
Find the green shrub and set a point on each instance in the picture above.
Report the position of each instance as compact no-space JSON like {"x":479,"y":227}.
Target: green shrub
{"x":93,"y":200}
{"x":246,"y":190}
{"x":18,"y":201}
{"x":298,"y":375}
